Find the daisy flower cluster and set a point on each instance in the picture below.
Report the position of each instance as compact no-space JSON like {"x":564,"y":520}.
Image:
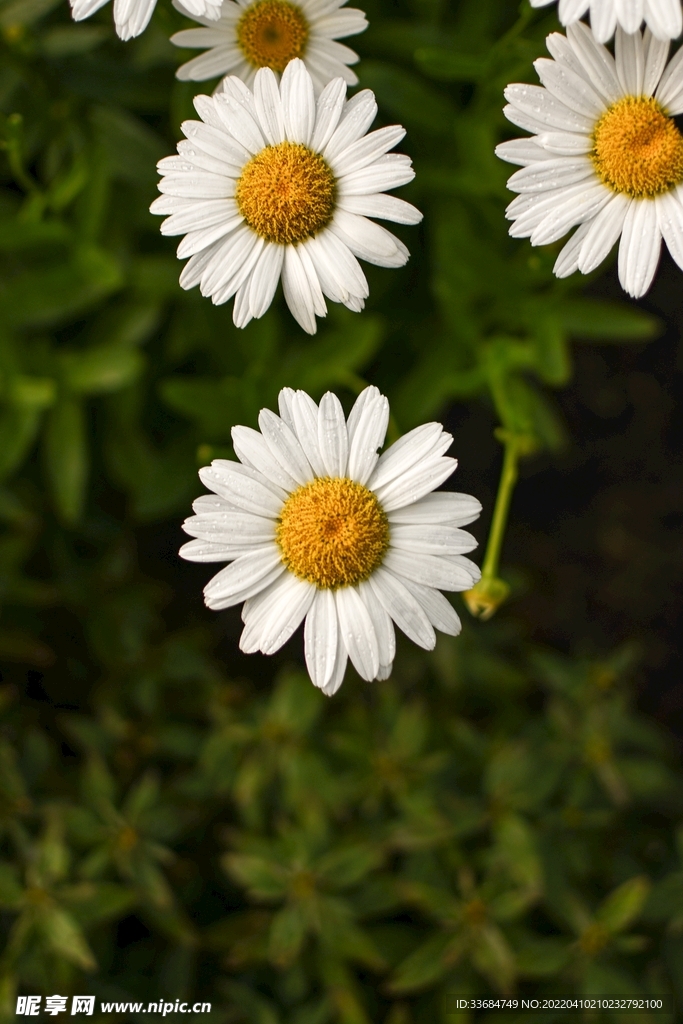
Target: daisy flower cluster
{"x":605,"y":154}
{"x":275,"y":185}
{"x":318,"y":527}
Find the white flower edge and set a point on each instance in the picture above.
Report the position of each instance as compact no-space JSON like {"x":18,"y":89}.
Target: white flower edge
{"x":226,"y":257}
{"x":427,"y":546}
{"x":558,"y":186}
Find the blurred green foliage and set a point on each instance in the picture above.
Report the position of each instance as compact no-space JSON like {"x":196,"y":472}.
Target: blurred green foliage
{"x":494,"y":818}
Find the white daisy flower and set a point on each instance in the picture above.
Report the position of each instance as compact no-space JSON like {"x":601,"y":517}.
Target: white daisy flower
{"x":317,"y":526}
{"x":606,"y":154}
{"x":662,"y":17}
{"x":131,"y":17}
{"x":272,"y":185}
{"x":253,"y":34}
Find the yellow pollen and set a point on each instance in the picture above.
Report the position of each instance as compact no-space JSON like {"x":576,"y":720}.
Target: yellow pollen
{"x":270,"y":33}
{"x":332,"y":532}
{"x":637,"y":148}
{"x":286,"y":193}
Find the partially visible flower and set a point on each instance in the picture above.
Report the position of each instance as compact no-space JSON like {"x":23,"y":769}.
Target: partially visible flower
{"x":317,"y":526}
{"x":606,"y":154}
{"x":271,"y":185}
{"x":662,"y":17}
{"x":253,"y":34}
{"x":131,"y":17}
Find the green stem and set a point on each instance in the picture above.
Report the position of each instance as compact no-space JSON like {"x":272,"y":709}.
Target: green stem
{"x":508,"y":479}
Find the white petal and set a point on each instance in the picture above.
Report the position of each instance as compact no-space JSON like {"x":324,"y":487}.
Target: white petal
{"x":664,"y":18}
{"x":333,"y":439}
{"x":383,"y":206}
{"x":369,"y":241}
{"x":570,"y":88}
{"x":340,"y":662}
{"x":220,"y":60}
{"x":444,"y":507}
{"x":603,"y":232}
{"x":603,"y":19}
{"x":328,"y":111}
{"x":285,"y":447}
{"x":197,"y":241}
{"x":431,"y":540}
{"x":357,"y":631}
{"x":210,"y":551}
{"x":429,"y":440}
{"x":656,"y":53}
{"x":298,"y":102}
{"x":298,"y":288}
{"x":564,"y":144}
{"x":244,"y":487}
{"x":269,"y":106}
{"x":265,"y":278}
{"x":522,"y":151}
{"x":597,"y":61}
{"x":340,"y":275}
{"x":357,"y":116}
{"x":366,"y":150}
{"x":236,"y":109}
{"x":415,"y":483}
{"x":568,"y":260}
{"x":572,"y":210}
{"x":243,"y":578}
{"x":629,"y":14}
{"x":562,"y":172}
{"x":231,"y":528}
{"x":670,"y":89}
{"x":670,"y":220}
{"x":288,"y":602}
{"x":537,"y":103}
{"x":367,"y":430}
{"x":453,"y":573}
{"x":305,"y":422}
{"x":252,"y":450}
{"x":214,"y":140}
{"x":382,"y":624}
{"x":570,"y":10}
{"x":437,"y":608}
{"x":630,"y":61}
{"x":389,"y":171}
{"x":320,"y":638}
{"x":404,"y":609}
{"x":640,"y":247}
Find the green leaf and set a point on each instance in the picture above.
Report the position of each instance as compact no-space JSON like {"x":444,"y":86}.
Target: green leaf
{"x":287,"y":933}
{"x":541,"y":958}
{"x":264,"y":879}
{"x":18,"y":430}
{"x":450,"y":66}
{"x":598,"y":320}
{"x":425,"y":965}
{"x":623,"y":905}
{"x":348,"y":866}
{"x":66,"y":458}
{"x":66,"y":938}
{"x":11,"y":890}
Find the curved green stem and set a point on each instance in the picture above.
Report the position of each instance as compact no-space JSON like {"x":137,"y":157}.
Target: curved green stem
{"x":490,"y":592}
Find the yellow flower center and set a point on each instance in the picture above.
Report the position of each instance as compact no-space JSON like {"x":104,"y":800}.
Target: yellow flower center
{"x":332,"y":532}
{"x":637,"y":149}
{"x":286,"y":193}
{"x":270,"y":33}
